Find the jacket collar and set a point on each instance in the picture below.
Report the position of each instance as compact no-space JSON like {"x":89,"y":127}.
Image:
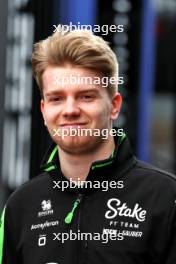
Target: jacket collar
{"x":120,"y":161}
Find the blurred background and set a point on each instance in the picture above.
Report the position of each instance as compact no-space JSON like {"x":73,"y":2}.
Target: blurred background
{"x":146,"y":51}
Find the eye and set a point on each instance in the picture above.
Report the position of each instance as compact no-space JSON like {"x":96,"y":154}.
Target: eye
{"x":56,"y":99}
{"x":87,"y":97}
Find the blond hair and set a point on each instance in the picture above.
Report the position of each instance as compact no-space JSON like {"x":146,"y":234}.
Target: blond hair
{"x":77,"y":47}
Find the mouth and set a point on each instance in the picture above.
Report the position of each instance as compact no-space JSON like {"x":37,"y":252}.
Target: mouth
{"x":73,"y":124}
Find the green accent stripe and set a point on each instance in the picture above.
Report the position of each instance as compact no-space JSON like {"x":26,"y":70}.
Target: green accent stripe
{"x":122,"y":138}
{"x":101,"y":165}
{"x":2,"y":235}
{"x":112,"y":155}
{"x":50,"y":168}
{"x":52,"y":154}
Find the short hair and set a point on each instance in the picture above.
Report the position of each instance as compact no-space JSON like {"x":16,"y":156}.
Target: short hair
{"x":78,"y":47}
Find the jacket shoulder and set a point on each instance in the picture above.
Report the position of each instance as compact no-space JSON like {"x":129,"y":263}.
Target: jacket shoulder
{"x":154,"y":175}
{"x":29,"y":190}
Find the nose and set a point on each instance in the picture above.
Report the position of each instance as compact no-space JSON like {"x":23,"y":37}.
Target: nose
{"x":71,"y":108}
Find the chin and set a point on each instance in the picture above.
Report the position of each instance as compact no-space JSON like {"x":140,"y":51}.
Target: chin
{"x":74,"y":141}
{"x":78,"y":145}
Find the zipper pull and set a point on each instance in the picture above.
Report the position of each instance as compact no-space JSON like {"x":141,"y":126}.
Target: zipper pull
{"x":70,"y":215}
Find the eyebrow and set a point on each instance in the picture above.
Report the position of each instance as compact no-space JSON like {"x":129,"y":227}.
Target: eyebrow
{"x":56,"y":92}
{"x":53,"y":93}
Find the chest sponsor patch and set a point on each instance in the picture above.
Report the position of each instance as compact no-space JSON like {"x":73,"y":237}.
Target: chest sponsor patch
{"x":117,"y":208}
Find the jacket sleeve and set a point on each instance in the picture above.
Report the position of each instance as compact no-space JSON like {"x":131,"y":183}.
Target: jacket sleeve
{"x":8,"y":253}
{"x":171,"y":248}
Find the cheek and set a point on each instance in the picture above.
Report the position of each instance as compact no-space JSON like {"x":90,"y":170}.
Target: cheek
{"x":106,"y":109}
{"x":102,"y":113}
{"x":50,"y":115}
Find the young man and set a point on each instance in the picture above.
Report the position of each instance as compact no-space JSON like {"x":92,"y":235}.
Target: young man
{"x":94,"y":202}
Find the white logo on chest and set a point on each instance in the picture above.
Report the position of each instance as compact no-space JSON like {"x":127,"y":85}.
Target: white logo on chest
{"x":118,"y":208}
{"x":46,"y":206}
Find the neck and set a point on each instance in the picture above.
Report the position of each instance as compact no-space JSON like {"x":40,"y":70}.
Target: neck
{"x":78,"y":165}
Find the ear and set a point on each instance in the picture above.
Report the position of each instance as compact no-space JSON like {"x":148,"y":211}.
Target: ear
{"x":116,"y":105}
{"x":42,"y":109}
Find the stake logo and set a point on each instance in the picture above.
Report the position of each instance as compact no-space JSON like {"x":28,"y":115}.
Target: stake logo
{"x":121,"y":209}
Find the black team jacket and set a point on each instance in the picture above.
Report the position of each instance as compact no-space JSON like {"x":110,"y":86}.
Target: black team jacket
{"x":124,"y":213}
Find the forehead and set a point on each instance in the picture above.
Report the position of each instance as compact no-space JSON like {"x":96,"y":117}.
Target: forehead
{"x":51,"y":71}
{"x":69,"y":77}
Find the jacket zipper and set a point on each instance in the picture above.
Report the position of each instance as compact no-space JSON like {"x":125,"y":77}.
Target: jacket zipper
{"x":69,"y":218}
{"x":71,"y":214}
{"x":78,"y":227}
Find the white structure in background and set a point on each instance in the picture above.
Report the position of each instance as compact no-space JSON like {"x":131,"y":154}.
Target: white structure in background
{"x":18,"y":96}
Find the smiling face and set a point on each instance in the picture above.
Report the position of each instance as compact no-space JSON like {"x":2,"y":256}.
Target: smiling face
{"x":67,"y":103}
